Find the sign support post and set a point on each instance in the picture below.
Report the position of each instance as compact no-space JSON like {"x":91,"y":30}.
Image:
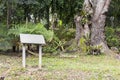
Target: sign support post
{"x":40,"y":56}
{"x":23,"y":56}
{"x":32,"y":39}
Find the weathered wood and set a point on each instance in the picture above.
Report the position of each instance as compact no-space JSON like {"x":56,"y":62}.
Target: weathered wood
{"x":35,"y":54}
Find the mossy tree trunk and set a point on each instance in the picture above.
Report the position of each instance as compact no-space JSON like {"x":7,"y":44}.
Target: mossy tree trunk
{"x":98,"y":25}
{"x":91,"y":23}
{"x":79,"y":28}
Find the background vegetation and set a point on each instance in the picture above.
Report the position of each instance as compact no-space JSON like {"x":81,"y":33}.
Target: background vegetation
{"x":54,"y":19}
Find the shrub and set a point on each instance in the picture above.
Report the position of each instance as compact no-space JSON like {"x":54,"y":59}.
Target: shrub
{"x":31,"y":29}
{"x":4,"y":38}
{"x":111,"y":37}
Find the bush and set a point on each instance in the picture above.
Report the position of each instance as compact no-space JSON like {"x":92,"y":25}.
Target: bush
{"x":4,"y":38}
{"x":31,"y":29}
{"x":112,"y":38}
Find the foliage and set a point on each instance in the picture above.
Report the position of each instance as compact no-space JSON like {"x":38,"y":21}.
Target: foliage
{"x":55,"y":46}
{"x":114,"y":12}
{"x":4,"y":38}
{"x":40,"y":29}
{"x":82,"y":45}
{"x":21,"y":10}
{"x":64,"y":32}
{"x":54,"y":41}
{"x":111,"y":37}
{"x":31,"y":29}
{"x":85,"y":47}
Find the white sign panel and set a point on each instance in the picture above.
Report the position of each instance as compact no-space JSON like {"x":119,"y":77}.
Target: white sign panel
{"x":32,"y":39}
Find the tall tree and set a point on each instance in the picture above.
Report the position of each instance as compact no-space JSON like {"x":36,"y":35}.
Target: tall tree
{"x":98,"y":24}
{"x":92,"y":20}
{"x":8,"y":13}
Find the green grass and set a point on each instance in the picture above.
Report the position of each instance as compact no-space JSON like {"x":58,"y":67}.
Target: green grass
{"x":56,"y":68}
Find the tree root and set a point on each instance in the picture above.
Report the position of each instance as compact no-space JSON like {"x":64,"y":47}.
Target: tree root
{"x":35,"y":54}
{"x":112,"y":54}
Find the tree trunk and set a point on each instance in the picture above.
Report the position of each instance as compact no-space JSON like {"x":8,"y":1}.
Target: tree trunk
{"x":8,"y":13}
{"x":79,"y":28}
{"x":98,"y":25}
{"x":47,"y":17}
{"x":94,"y":23}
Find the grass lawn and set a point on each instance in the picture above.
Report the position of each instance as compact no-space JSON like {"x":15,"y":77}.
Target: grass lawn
{"x":56,"y":68}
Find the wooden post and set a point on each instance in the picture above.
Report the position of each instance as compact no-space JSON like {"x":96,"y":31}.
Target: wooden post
{"x":40,"y":56}
{"x":23,"y":56}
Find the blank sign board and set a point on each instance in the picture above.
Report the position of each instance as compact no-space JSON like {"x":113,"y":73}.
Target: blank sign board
{"x":32,"y":39}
